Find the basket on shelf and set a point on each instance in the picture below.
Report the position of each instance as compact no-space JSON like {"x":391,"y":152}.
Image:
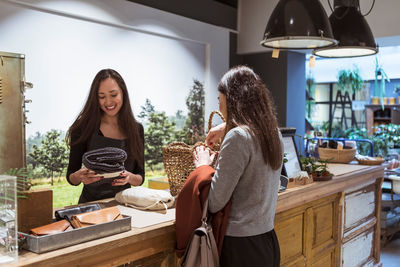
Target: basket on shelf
{"x":336,"y":155}
{"x":178,"y":160}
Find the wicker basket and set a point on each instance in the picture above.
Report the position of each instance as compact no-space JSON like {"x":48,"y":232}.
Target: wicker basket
{"x":375,"y":161}
{"x":178,"y":160}
{"x":337,"y":155}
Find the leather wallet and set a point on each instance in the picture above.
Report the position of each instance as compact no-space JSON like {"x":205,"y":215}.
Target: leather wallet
{"x":96,"y":217}
{"x":69,"y":212}
{"x":53,"y":228}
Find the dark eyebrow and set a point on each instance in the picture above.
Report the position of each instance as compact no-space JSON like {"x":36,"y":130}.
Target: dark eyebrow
{"x":112,"y":91}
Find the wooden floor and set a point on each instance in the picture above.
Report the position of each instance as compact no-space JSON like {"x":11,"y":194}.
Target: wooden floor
{"x":390,"y":254}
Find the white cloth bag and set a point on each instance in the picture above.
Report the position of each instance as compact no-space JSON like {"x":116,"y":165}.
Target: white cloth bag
{"x":144,"y":198}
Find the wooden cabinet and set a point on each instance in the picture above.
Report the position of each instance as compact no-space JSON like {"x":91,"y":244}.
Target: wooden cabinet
{"x":336,"y":224}
{"x":308,"y":234}
{"x":375,"y":115}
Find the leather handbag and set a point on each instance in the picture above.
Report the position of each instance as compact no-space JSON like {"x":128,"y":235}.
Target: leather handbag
{"x":144,"y":198}
{"x":202,"y":249}
{"x":96,"y":217}
{"x":53,"y":228}
{"x":66,"y":214}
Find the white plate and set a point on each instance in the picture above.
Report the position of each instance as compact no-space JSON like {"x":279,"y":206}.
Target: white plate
{"x":109,"y":174}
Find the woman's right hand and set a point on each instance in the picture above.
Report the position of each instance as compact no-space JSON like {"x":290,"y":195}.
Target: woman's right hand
{"x":215,"y":133}
{"x":85,"y":176}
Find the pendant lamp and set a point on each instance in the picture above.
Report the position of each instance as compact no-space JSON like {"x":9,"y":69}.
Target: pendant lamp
{"x":352,"y":31}
{"x":298,"y":24}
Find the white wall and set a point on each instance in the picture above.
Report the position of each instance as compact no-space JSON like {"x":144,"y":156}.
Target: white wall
{"x":67,"y":42}
{"x":253,"y":16}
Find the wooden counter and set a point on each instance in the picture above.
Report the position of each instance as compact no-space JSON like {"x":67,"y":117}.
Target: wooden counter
{"x":333,"y":223}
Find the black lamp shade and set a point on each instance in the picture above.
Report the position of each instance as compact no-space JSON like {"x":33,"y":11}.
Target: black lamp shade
{"x":353,"y":33}
{"x":298,"y":24}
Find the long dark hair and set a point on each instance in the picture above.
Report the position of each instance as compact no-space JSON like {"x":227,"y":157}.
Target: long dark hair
{"x":250,"y":104}
{"x":89,"y":118}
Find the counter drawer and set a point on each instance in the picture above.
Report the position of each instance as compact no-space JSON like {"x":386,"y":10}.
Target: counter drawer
{"x":359,"y":250}
{"x":359,"y":206}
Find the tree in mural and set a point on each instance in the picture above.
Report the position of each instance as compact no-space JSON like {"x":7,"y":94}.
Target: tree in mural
{"x":159,"y":132}
{"x":52,"y":154}
{"x":194,"y":125}
{"x":35,"y":139}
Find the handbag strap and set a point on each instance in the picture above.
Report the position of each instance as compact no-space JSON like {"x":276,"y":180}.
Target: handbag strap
{"x":205,"y":209}
{"x":211,"y":239}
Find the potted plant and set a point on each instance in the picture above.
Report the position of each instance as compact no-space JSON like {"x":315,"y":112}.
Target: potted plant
{"x":379,"y":91}
{"x":350,"y":81}
{"x":317,"y":169}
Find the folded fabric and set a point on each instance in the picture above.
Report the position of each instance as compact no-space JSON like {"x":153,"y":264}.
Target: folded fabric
{"x":144,"y":198}
{"x":53,"y":228}
{"x":96,"y":217}
{"x":66,"y":214}
{"x":105,"y":160}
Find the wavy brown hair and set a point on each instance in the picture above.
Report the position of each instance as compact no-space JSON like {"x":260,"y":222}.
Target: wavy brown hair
{"x":249,"y":103}
{"x":89,"y":118}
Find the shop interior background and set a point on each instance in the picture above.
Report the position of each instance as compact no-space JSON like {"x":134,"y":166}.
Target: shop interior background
{"x":67,"y":42}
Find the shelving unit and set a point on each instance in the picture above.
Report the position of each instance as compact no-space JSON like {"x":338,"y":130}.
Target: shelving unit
{"x":375,"y":115}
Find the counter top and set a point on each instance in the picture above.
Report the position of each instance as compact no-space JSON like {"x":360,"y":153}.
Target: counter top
{"x":345,"y":176}
{"x":159,"y":239}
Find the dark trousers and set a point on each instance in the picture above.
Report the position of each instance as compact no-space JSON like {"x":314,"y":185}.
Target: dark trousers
{"x":252,"y":251}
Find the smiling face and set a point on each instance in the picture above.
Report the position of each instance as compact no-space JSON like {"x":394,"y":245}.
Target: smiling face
{"x":110,"y":97}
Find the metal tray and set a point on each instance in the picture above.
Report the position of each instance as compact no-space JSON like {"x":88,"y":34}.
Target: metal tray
{"x":41,"y":244}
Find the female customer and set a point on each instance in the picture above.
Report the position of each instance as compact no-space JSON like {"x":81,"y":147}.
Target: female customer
{"x":106,"y":121}
{"x":248,"y":169}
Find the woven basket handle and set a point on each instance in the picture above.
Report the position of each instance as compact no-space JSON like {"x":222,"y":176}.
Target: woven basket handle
{"x":178,"y":144}
{"x":211,"y":118}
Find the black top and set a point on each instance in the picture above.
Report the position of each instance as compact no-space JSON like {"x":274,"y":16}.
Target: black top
{"x":103,"y":188}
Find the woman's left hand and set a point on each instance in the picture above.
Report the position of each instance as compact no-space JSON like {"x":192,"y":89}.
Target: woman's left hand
{"x":203,"y":156}
{"x":127,"y":178}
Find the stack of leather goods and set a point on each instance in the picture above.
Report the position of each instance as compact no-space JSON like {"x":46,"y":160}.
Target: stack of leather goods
{"x":96,"y":217}
{"x":53,"y":228}
{"x":107,"y":162}
{"x":69,"y":221}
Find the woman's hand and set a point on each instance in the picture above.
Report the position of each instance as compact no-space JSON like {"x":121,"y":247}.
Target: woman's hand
{"x":84,"y":176}
{"x":127,"y":178}
{"x":202,"y":156}
{"x":215,"y":134}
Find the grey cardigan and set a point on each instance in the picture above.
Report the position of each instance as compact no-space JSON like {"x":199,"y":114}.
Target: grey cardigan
{"x":242,"y":173}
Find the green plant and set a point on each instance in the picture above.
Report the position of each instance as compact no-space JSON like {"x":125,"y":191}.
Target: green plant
{"x":316,"y":166}
{"x":350,"y":80}
{"x":385,"y":136}
{"x":310,"y":100}
{"x":285,"y":160}
{"x":380,"y":75}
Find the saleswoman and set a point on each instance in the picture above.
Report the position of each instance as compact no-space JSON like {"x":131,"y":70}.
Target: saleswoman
{"x":106,"y":121}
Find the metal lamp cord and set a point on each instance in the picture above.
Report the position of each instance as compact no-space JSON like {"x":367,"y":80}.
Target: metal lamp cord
{"x":372,"y":6}
{"x":345,"y":13}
